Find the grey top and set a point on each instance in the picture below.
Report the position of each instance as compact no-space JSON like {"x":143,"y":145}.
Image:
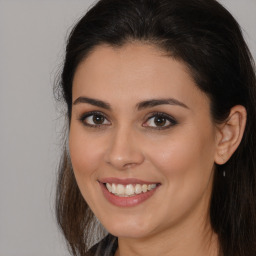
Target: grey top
{"x":106,"y":247}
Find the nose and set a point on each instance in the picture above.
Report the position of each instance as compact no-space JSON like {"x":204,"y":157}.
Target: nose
{"x":124,"y":150}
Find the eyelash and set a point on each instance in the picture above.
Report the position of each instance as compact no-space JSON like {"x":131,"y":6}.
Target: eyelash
{"x":91,"y":114}
{"x":161,"y":115}
{"x":152,"y":115}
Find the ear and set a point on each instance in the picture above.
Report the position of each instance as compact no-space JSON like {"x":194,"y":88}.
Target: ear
{"x":229,"y":134}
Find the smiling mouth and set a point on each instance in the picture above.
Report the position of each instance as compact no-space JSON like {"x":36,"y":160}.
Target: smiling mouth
{"x":129,"y":190}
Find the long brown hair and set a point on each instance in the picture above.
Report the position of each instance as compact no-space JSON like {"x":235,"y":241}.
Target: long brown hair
{"x":205,"y":36}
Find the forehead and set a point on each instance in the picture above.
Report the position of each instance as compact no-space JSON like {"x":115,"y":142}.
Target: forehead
{"x":134,"y":71}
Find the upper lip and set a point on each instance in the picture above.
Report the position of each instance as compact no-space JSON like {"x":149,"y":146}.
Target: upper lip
{"x":126,"y":181}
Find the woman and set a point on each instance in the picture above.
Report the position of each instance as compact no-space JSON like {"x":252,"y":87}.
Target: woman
{"x":160,"y":99}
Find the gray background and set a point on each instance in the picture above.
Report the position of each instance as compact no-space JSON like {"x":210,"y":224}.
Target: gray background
{"x":32,"y":39}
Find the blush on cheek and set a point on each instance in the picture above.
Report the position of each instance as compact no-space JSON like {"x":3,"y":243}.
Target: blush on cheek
{"x":83,"y":161}
{"x":84,"y":152}
{"x":174,"y":157}
{"x":181,"y":161}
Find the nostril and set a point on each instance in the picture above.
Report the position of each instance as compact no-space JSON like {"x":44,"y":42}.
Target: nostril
{"x":129,"y":165}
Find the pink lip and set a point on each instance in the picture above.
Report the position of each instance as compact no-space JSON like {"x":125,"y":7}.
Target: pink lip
{"x":127,"y":201}
{"x":126,"y":181}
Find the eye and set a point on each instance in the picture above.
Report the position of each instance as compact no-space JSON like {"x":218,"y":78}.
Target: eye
{"x":160,"y":121}
{"x":94,"y":119}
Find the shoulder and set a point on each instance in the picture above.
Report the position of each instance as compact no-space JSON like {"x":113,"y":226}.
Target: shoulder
{"x":106,"y":247}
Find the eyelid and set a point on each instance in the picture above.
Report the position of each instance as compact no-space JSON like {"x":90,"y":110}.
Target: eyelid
{"x":168,"y":117}
{"x":91,"y":113}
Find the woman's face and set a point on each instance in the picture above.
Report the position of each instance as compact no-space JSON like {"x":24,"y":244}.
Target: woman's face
{"x":142,"y":128}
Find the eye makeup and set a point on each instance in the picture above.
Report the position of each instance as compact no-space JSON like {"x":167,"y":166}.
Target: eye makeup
{"x":155,"y":120}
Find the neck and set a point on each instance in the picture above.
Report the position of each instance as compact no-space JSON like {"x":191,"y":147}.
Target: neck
{"x":197,"y":239}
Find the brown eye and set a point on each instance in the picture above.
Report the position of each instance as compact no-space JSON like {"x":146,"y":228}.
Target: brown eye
{"x":98,"y":119}
{"x":94,"y":120}
{"x":160,"y":121}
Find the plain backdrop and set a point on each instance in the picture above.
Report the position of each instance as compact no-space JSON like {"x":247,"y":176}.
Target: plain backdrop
{"x":32,"y":41}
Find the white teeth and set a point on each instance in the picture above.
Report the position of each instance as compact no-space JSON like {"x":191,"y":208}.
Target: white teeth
{"x":151,"y":186}
{"x":113,"y":190}
{"x":138,"y":189}
{"x":120,"y":189}
{"x":144,"y":188}
{"x":129,"y":190}
{"x":109,"y":187}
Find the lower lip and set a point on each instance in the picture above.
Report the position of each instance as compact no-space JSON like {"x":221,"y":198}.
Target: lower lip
{"x":126,"y":201}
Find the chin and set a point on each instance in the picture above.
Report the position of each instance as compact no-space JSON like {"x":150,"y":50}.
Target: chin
{"x":128,"y":233}
{"x":129,"y":229}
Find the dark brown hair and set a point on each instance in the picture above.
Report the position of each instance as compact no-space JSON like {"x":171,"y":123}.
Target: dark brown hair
{"x":205,"y":36}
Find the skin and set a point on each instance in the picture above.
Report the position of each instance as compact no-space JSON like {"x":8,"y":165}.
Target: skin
{"x":175,"y":220}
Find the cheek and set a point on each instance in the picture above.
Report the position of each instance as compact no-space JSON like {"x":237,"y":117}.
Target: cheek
{"x":185,"y":166}
{"x":85,"y":152}
{"x":186,"y":157}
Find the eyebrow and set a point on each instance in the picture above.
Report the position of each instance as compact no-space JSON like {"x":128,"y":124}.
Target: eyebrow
{"x":157,"y":102}
{"x":141,"y":105}
{"x":94,"y":102}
